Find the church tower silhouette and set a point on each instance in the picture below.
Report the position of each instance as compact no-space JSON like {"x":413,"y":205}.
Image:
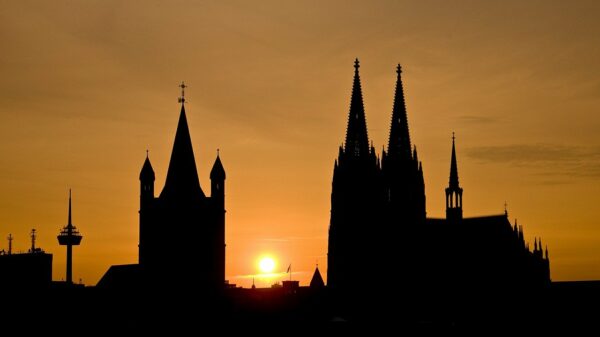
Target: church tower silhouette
{"x":356,"y":200}
{"x":182,"y":231}
{"x":402,"y":169}
{"x":454,"y":192}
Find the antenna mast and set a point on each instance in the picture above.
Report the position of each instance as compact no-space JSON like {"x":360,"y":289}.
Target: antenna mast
{"x":10,"y":239}
{"x":33,"y":235}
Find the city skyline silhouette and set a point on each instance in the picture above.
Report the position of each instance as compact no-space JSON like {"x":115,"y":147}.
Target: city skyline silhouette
{"x":273,"y":99}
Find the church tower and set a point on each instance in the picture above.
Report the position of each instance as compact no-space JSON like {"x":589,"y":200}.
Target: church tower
{"x":146,"y":201}
{"x":182,"y":231}
{"x":356,"y":199}
{"x":401,"y":168}
{"x":217,"y":196}
{"x":454,"y":191}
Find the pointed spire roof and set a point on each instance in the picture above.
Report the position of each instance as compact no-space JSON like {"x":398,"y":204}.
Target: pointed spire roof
{"x":317,"y":279}
{"x":182,"y":176}
{"x":399,"y":141}
{"x":453,"y":167}
{"x":217,"y":172}
{"x":357,"y":139}
{"x":147,"y":172}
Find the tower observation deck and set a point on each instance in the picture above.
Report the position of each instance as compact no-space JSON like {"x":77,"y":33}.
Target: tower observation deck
{"x":69,"y":236}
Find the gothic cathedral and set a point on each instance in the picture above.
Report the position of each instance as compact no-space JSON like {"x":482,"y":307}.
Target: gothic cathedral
{"x":378,"y":220}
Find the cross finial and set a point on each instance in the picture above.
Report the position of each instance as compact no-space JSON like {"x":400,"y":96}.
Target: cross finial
{"x":399,"y":69}
{"x":356,"y":64}
{"x":506,"y":209}
{"x":453,"y":136}
{"x":217,"y":152}
{"x":147,"y":152}
{"x":182,"y":98}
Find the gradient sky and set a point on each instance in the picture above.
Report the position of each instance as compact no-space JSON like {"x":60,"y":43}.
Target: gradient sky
{"x":87,"y":86}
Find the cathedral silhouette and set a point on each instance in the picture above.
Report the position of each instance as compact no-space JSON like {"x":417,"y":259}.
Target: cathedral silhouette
{"x":378,"y":215}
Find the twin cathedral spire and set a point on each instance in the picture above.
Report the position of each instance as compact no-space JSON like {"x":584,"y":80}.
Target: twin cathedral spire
{"x":378,"y":213}
{"x":400,"y":166}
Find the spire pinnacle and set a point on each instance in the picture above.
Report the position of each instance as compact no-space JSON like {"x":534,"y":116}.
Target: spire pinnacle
{"x":217,"y":172}
{"x":317,"y":279}
{"x":357,"y":139}
{"x":399,"y":141}
{"x":453,"y":166}
{"x":454,"y":192}
{"x":182,"y":98}
{"x":182,"y":175}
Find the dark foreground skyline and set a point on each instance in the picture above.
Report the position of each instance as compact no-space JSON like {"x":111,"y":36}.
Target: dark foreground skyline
{"x":378,"y":216}
{"x":83,"y":96}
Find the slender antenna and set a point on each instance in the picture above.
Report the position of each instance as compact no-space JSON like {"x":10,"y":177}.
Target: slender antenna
{"x":33,"y":240}
{"x":10,"y":240}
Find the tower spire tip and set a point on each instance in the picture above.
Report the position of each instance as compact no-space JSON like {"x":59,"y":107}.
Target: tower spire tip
{"x":182,"y":98}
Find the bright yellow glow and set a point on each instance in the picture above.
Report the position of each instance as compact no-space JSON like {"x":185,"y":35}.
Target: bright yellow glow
{"x":266,"y":264}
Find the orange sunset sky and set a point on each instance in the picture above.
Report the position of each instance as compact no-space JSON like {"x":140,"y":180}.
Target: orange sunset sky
{"x":87,"y":86}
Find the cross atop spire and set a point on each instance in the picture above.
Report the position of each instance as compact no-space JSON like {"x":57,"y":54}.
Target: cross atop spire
{"x":356,"y":65}
{"x":182,"y":98}
{"x":399,"y":69}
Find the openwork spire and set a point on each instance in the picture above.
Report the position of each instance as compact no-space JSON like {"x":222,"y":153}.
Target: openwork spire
{"x":399,"y":141}
{"x":357,"y":140}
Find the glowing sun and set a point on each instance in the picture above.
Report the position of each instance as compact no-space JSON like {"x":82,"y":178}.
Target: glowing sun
{"x":266,"y":265}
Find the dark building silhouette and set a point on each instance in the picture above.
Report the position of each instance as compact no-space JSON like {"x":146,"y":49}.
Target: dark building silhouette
{"x":182,"y":231}
{"x":27,"y":271}
{"x":317,"y":280}
{"x":378,"y":216}
{"x":356,"y":199}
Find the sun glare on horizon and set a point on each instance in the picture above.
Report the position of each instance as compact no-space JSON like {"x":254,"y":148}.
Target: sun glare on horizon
{"x":266,"y":264}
